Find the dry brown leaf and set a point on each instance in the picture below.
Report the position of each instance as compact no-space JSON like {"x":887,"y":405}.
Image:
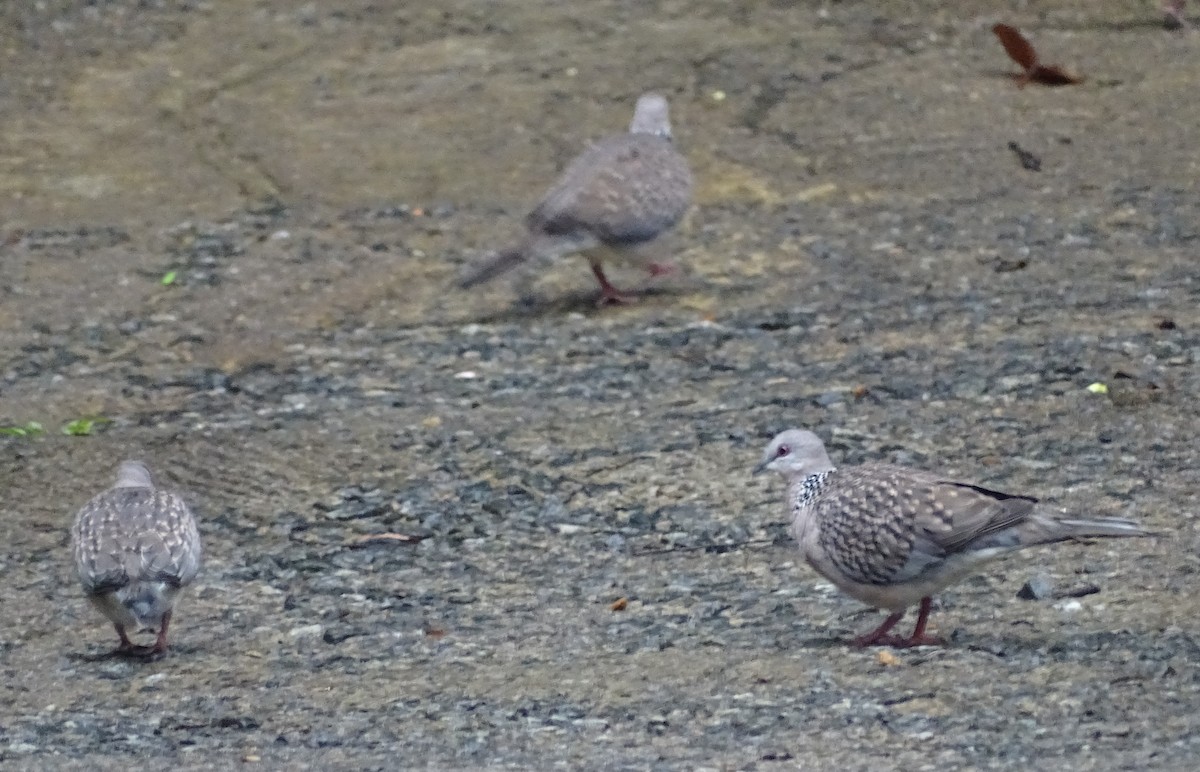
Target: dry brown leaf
{"x":620,"y":604}
{"x":1021,"y":51}
{"x":1018,"y":48}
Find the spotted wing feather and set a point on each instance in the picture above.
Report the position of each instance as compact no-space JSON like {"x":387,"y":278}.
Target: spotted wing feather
{"x":130,"y":534}
{"x":883,"y":525}
{"x":624,"y":190}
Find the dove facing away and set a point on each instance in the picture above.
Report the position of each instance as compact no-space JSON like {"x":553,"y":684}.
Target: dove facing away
{"x":1173,"y":14}
{"x":892,"y":536}
{"x":136,"y":547}
{"x":621,"y":193}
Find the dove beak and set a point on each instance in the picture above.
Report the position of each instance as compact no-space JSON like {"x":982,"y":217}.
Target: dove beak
{"x":760,"y":467}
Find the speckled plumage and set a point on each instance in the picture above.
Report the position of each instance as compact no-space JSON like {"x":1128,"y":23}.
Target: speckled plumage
{"x":136,"y":547}
{"x":892,"y":536}
{"x":622,"y":192}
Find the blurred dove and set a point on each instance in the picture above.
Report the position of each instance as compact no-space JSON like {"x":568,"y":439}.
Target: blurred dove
{"x":621,"y":193}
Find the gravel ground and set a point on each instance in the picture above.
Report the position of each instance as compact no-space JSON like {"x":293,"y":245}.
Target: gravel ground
{"x":593,"y":580}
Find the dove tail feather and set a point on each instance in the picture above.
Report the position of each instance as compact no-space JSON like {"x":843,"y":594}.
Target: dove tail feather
{"x":496,"y":264}
{"x":1095,"y":527}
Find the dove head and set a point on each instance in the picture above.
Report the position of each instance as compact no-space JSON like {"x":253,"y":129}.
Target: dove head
{"x":147,"y":602}
{"x":795,"y":453}
{"x":651,"y":116}
{"x":133,"y":474}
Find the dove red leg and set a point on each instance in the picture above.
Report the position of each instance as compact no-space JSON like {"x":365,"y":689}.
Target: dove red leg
{"x":609,"y":295}
{"x":662,"y":269}
{"x":880,"y":635}
{"x":126,"y":644}
{"x":918,"y":637}
{"x":160,"y":643}
{"x":128,"y":648}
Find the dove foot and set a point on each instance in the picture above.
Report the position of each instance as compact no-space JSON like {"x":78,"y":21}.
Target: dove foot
{"x":610,"y":295}
{"x":898,"y":642}
{"x":881,"y":636}
{"x":662,"y":269}
{"x":145,"y":653}
{"x":160,"y":643}
{"x":128,"y":648}
{"x":615,"y":298}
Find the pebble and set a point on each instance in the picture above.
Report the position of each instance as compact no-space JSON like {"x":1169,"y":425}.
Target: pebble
{"x":1037,"y":588}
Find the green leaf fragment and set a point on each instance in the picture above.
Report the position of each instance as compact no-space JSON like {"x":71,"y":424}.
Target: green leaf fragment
{"x":31,"y":429}
{"x":82,"y":427}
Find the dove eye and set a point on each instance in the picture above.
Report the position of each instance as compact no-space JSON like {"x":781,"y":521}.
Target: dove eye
{"x":783,"y":451}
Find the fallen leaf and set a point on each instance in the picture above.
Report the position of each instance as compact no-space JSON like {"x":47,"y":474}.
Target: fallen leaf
{"x":1021,"y":51}
{"x":888,"y":659}
{"x":1016,"y":46}
{"x":620,"y":604}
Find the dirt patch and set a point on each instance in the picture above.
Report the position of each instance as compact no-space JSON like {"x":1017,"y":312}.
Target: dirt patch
{"x":868,"y":257}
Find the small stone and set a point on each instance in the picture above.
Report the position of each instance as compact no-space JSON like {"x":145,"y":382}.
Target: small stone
{"x":307,"y":631}
{"x":1037,"y":588}
{"x":830,"y":398}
